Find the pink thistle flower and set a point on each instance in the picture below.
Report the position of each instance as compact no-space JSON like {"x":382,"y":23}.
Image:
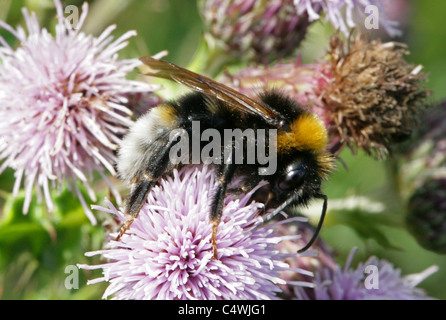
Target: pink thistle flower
{"x":167,"y":252}
{"x":62,"y":105}
{"x":324,"y":258}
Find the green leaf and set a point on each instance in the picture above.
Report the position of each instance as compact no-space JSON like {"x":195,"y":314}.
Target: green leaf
{"x":366,"y":225}
{"x":49,"y":241}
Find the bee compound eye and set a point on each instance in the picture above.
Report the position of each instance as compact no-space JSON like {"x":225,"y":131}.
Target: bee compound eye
{"x":284,"y":124}
{"x":291,"y":179}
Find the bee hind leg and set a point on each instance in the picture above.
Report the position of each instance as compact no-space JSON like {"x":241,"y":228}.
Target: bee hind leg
{"x":134,"y":204}
{"x":155,"y":169}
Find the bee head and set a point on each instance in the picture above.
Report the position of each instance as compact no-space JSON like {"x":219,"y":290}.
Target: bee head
{"x":301,"y":172}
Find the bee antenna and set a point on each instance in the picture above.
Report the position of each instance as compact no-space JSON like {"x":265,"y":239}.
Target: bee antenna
{"x":319,"y":225}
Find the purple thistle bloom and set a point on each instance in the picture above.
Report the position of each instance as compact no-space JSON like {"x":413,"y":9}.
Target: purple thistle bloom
{"x":386,"y":282}
{"x":341,"y":13}
{"x":62,"y":105}
{"x":167,"y":252}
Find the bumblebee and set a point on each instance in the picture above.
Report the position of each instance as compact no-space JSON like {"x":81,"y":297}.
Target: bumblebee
{"x":302,"y":162}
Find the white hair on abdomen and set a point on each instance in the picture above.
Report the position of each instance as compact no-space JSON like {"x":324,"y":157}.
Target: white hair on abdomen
{"x":134,"y":154}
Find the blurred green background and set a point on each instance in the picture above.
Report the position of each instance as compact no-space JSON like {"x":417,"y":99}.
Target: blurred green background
{"x":36,"y":249}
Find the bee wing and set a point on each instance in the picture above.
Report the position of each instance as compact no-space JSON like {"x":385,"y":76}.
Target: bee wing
{"x":170,"y":71}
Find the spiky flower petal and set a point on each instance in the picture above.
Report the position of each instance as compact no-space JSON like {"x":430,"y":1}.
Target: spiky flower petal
{"x":347,"y":14}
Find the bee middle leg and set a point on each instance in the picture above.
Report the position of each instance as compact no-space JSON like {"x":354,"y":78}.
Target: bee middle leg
{"x":225,"y":173}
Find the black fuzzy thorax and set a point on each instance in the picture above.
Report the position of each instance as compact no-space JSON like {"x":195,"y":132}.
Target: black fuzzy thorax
{"x":212,"y":113}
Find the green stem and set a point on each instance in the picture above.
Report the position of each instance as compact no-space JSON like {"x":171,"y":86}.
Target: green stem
{"x":209,"y":59}
{"x":4,"y":9}
{"x":102,"y":13}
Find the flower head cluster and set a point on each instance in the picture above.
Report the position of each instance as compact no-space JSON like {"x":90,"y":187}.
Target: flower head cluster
{"x":323,"y":259}
{"x":374,"y":279}
{"x":62,"y":105}
{"x":367,"y":94}
{"x":375,"y":96}
{"x":167,"y":252}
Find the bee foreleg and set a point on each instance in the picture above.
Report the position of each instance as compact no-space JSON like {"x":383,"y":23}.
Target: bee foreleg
{"x":289,"y":201}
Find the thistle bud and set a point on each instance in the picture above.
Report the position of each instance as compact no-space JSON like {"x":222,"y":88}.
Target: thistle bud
{"x":259,"y":30}
{"x":426,"y":217}
{"x":422,"y":174}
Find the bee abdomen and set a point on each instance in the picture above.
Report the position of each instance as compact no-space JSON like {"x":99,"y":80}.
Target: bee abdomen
{"x":136,"y":148}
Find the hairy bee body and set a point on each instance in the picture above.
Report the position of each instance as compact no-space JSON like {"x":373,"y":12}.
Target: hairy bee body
{"x":299,"y":145}
{"x":151,"y":133}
